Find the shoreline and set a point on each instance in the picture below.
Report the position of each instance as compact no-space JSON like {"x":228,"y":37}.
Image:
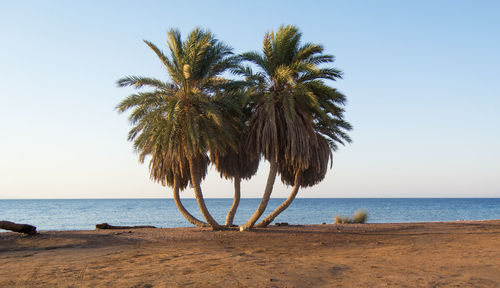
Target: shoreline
{"x":263,"y":229}
{"x":463,"y":253}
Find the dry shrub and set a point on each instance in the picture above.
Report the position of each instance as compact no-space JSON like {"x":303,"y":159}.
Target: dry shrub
{"x":341,"y":219}
{"x":359,"y":217}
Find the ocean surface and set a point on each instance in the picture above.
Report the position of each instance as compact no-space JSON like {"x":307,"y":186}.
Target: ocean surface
{"x":78,"y":214}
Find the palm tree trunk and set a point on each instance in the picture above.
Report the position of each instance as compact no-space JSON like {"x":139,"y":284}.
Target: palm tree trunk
{"x":265,"y":198}
{"x":194,"y":167}
{"x":177,"y":199}
{"x":270,"y":218}
{"x":236,"y":201}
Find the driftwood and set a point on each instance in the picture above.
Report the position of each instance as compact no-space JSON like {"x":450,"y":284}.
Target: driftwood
{"x":20,"y":228}
{"x":107,"y":226}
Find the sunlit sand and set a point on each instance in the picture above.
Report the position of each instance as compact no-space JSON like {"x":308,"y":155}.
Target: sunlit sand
{"x":358,"y":255}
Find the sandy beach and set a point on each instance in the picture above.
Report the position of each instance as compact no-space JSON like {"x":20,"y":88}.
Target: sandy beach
{"x":438,"y":254}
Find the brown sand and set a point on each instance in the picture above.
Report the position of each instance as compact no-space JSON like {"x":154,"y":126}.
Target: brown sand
{"x":464,"y":254}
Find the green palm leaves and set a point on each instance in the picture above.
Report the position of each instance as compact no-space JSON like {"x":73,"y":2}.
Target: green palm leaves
{"x":284,"y":111}
{"x":290,"y":90}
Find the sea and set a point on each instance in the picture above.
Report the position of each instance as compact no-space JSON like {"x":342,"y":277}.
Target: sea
{"x":84,"y":214}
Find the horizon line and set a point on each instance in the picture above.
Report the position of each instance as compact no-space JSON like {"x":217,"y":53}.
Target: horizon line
{"x":157,"y":198}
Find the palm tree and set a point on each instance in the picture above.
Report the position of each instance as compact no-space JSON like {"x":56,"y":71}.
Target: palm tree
{"x":294,"y":110}
{"x":240,"y":164}
{"x":184,"y":111}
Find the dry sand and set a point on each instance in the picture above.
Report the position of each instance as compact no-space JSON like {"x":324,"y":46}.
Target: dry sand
{"x":451,"y":254}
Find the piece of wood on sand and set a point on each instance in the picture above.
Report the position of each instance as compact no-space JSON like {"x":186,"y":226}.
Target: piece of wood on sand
{"x":107,"y":226}
{"x":20,"y":228}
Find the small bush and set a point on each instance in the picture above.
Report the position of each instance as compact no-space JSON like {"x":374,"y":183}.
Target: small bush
{"x":359,"y":217}
{"x":342,"y":220}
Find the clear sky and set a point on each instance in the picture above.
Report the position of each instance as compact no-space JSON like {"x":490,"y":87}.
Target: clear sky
{"x":422,"y":79}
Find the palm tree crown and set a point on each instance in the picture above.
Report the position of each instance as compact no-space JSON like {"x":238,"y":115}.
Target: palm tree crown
{"x":293,"y":104}
{"x":190,"y":119}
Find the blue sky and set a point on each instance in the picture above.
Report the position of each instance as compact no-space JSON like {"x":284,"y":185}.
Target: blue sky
{"x":421,"y":78}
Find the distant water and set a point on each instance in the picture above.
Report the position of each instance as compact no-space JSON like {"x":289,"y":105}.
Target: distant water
{"x":85,"y":213}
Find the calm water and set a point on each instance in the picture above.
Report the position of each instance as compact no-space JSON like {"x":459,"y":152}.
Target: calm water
{"x":84,"y":214}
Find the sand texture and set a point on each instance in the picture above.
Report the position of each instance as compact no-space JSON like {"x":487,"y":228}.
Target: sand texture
{"x":446,"y":254}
